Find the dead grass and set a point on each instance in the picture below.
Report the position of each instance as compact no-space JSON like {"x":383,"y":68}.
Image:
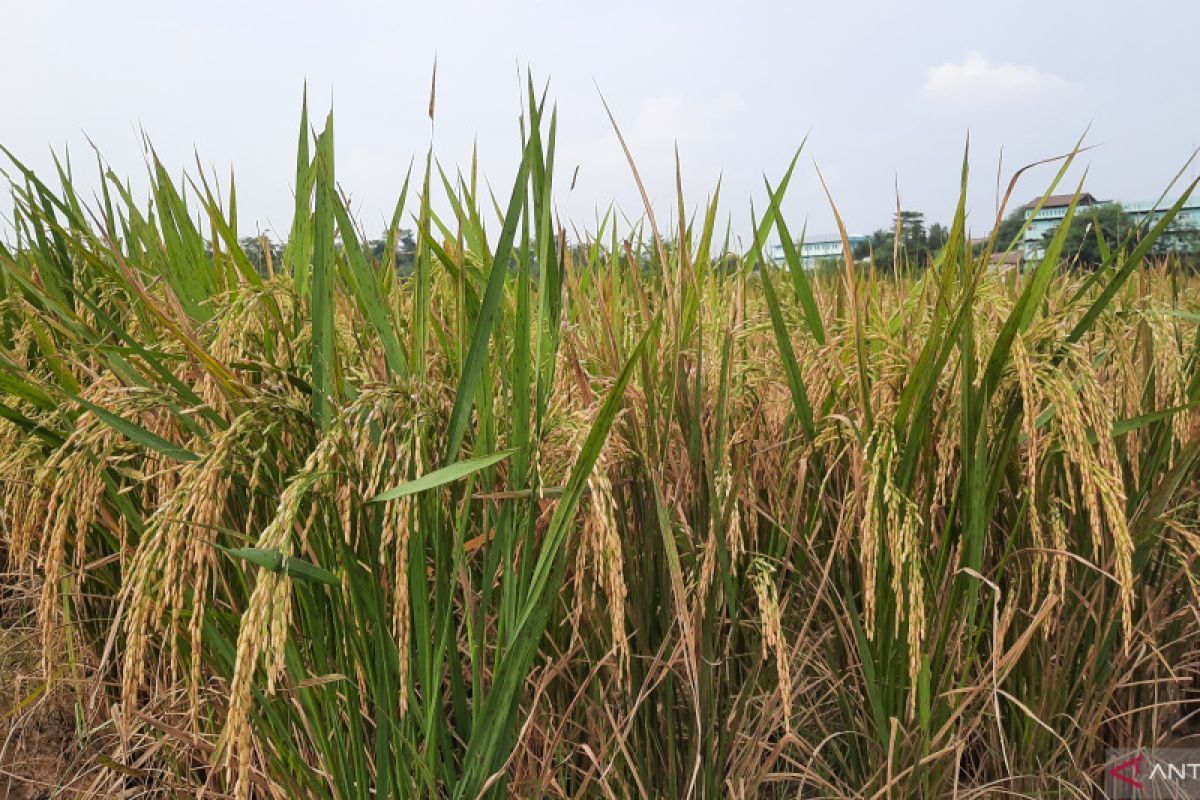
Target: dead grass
{"x":40,"y":748}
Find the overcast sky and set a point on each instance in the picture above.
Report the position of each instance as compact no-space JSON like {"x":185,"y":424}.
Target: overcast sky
{"x":887,"y":92}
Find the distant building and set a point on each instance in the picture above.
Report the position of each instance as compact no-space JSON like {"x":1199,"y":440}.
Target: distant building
{"x":1047,"y":219}
{"x":1002,"y":262}
{"x":1054,"y":209}
{"x":1188,"y":219}
{"x":818,"y":250}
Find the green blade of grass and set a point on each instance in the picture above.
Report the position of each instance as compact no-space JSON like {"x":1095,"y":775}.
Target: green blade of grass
{"x":489,"y":310}
{"x":323,"y":300}
{"x":443,"y":475}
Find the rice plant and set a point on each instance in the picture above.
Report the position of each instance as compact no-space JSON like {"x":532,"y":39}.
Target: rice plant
{"x":620,"y":513}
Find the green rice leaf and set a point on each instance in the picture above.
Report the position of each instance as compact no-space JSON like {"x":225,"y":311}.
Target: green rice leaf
{"x":440,"y":477}
{"x":277,"y":562}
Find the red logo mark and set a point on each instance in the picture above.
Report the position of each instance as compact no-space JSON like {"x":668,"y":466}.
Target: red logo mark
{"x":1119,"y":771}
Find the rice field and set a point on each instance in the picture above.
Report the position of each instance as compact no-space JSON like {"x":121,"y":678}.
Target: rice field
{"x":623,"y":513}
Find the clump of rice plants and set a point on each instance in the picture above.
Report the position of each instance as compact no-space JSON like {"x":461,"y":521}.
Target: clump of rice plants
{"x":627,"y":515}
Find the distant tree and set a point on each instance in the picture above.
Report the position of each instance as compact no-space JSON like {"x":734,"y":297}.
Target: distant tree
{"x":408,"y":243}
{"x":917,"y":244}
{"x":914,"y":241}
{"x":1010,"y":226}
{"x":879,"y":249}
{"x":938,"y":236}
{"x":406,"y":250}
{"x":252,"y":246}
{"x":861,"y":250}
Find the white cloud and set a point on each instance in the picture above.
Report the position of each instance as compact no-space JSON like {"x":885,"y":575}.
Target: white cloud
{"x":672,"y":118}
{"x":978,"y":81}
{"x":660,"y":123}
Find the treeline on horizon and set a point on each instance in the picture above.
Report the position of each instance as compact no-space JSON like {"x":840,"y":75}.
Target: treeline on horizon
{"x":1089,"y":237}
